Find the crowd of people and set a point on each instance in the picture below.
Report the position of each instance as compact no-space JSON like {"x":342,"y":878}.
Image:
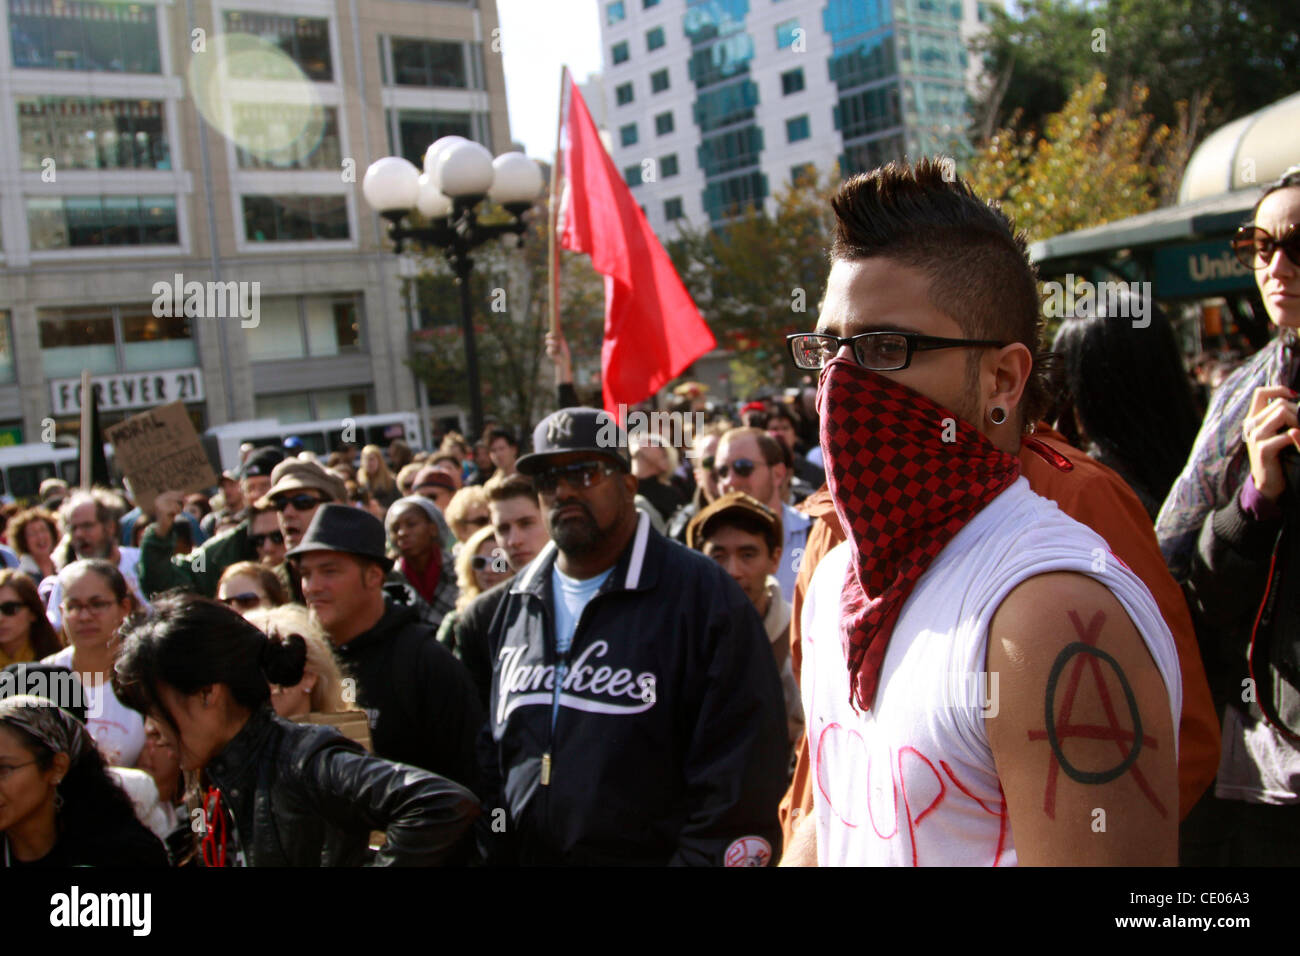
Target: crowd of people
{"x":936,"y":607}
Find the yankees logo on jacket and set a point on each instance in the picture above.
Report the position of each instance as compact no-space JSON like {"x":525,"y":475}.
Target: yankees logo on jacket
{"x":665,"y":739}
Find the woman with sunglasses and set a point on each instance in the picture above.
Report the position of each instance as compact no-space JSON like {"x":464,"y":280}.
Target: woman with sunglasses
{"x":1230,"y":530}
{"x":247,"y":586}
{"x":276,"y":793}
{"x":480,"y":566}
{"x":25,"y":632}
{"x":59,"y":806}
{"x":95,"y":602}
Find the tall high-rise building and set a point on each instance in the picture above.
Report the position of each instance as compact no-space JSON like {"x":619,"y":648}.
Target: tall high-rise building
{"x":148,"y":145}
{"x":713,"y":105}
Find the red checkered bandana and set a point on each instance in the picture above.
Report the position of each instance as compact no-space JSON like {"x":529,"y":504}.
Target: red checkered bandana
{"x":901,"y":492}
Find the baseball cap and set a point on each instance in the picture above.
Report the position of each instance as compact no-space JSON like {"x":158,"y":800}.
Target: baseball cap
{"x":732,"y":503}
{"x":434,"y":476}
{"x":261,"y":461}
{"x":294,"y":474}
{"x":576,"y":429}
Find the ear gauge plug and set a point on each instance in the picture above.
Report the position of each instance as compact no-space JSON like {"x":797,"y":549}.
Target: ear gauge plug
{"x":997,"y":414}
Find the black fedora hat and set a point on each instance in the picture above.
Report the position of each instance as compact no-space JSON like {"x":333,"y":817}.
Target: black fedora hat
{"x":343,"y":528}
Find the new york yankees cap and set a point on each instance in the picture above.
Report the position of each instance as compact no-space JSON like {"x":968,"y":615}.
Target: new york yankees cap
{"x":576,"y":429}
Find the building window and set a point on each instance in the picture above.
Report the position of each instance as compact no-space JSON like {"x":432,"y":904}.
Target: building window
{"x":85,"y":35}
{"x":729,"y":197}
{"x":112,"y":339}
{"x":286,"y":136}
{"x":797,"y":129}
{"x":295,"y":218}
{"x":627,"y":134}
{"x":82,"y":133}
{"x":615,"y":13}
{"x":654,"y":39}
{"x":305,"y":40}
{"x":658,"y":81}
{"x":673,"y":209}
{"x":429,"y":63}
{"x":80,"y":221}
{"x":803,"y":173}
{"x":623,"y":93}
{"x":306,"y":326}
{"x":668,"y":165}
{"x":316,"y":406}
{"x":619,"y":52}
{"x":410,"y":132}
{"x":792,"y":81}
{"x":647,"y":4}
{"x":785,"y":33}
{"x":6,"y":349}
{"x":632,"y":174}
{"x":664,"y":124}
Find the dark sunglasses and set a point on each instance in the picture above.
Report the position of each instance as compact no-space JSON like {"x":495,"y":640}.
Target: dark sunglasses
{"x":257,"y":540}
{"x":1254,"y":247}
{"x":299,"y":502}
{"x":481,"y":563}
{"x":744,"y":467}
{"x":582,"y":474}
{"x":10,"y":608}
{"x":244,"y":602}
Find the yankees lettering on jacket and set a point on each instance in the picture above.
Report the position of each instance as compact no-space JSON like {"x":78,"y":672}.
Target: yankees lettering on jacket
{"x":591,"y":684}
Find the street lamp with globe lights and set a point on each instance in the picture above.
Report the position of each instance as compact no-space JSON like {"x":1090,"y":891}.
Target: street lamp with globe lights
{"x":458,"y":175}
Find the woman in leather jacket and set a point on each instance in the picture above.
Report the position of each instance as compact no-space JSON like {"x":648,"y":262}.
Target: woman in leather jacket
{"x":277,"y":793}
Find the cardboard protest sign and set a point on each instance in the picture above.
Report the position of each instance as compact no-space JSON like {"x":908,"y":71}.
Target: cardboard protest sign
{"x":158,"y":451}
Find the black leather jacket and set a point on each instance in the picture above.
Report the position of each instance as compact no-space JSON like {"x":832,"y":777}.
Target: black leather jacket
{"x":304,"y":795}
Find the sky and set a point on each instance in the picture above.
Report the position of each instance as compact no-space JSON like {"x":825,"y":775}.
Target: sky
{"x":537,"y":38}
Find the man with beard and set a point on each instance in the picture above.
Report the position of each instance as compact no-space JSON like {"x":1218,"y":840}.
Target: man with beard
{"x":989,"y":655}
{"x":635,"y":711}
{"x":89,"y":522}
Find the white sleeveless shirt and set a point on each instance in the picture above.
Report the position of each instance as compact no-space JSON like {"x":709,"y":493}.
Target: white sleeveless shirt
{"x":912,"y":781}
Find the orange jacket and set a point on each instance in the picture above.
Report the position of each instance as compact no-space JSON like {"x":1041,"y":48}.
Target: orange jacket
{"x":1094,"y":495}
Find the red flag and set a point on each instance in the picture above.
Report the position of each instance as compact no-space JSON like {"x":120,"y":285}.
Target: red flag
{"x":653,"y":330}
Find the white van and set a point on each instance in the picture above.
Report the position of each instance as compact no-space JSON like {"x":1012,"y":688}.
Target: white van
{"x":24,"y":467}
{"x":222,"y":441}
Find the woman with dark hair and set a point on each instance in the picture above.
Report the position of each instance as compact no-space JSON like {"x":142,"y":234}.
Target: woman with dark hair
{"x":277,"y":793}
{"x":95,"y":602}
{"x":25,"y":632}
{"x":59,"y":806}
{"x":1128,"y":401}
{"x":1230,"y":530}
{"x":33,"y":534}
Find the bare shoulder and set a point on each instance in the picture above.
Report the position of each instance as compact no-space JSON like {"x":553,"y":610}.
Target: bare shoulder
{"x":1083,"y":736}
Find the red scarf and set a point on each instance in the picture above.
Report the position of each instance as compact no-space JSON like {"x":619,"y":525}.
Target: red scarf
{"x":426,"y":584}
{"x":901,"y":492}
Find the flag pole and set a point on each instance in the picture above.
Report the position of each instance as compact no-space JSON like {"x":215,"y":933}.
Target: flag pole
{"x":84,"y":436}
{"x":553,"y":248}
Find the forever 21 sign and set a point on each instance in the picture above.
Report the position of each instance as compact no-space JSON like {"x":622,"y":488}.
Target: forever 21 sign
{"x":132,"y":390}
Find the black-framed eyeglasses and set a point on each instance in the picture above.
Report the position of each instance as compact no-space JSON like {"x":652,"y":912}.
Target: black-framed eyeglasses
{"x":257,"y":540}
{"x":1255,"y":247}
{"x":743,"y":467}
{"x":582,"y":474}
{"x":877,"y":351}
{"x":299,"y":502}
